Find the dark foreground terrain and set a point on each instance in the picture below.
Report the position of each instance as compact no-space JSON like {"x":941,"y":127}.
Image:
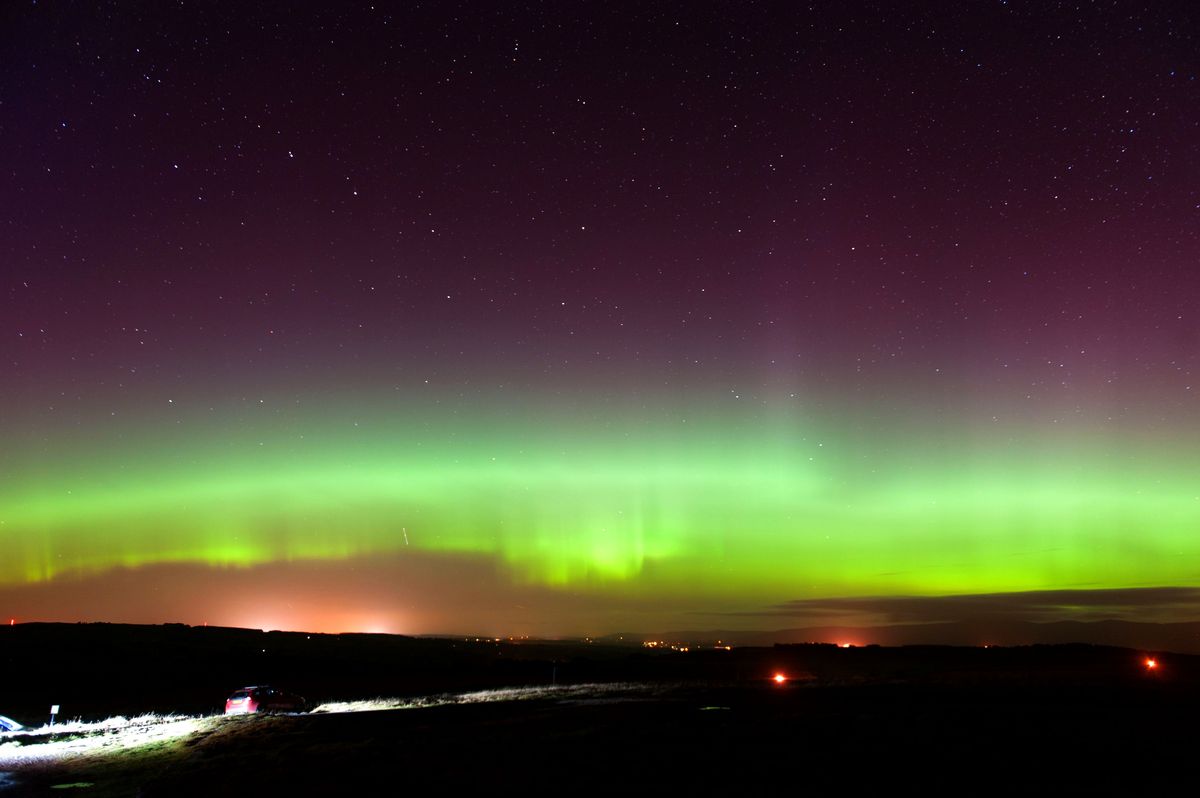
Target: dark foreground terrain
{"x":944,"y":720}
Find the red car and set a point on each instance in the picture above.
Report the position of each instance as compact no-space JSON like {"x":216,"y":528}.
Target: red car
{"x":262,"y":699}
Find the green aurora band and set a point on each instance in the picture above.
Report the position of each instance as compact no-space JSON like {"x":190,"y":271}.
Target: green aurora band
{"x":744,"y":511}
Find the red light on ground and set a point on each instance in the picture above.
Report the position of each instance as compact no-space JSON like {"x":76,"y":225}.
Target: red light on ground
{"x":779,"y":678}
{"x":1151,"y":663}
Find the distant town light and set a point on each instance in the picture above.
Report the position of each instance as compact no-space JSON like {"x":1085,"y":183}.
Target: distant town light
{"x":779,"y":678}
{"x":1151,"y":663}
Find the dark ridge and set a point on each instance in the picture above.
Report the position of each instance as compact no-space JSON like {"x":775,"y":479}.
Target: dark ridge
{"x":100,"y":669}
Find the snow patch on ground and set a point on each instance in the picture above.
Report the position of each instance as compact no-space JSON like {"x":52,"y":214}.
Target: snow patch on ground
{"x":45,"y":745}
{"x":564,"y":692}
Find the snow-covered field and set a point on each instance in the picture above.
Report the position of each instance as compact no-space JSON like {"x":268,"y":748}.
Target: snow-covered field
{"x":48,"y":745}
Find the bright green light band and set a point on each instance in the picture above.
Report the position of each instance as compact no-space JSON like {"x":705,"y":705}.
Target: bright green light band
{"x":744,"y":514}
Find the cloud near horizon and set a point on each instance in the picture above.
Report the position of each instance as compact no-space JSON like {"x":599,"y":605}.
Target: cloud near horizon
{"x":1147,"y":605}
{"x":424,"y":593}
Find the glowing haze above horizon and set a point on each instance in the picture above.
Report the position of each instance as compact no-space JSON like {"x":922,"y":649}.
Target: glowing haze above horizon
{"x":582,"y":320}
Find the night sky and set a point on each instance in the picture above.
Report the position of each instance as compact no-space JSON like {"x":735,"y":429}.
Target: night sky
{"x":596,"y":317}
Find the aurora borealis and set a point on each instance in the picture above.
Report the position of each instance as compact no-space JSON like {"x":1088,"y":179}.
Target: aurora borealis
{"x":749,"y":517}
{"x":583,"y":320}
